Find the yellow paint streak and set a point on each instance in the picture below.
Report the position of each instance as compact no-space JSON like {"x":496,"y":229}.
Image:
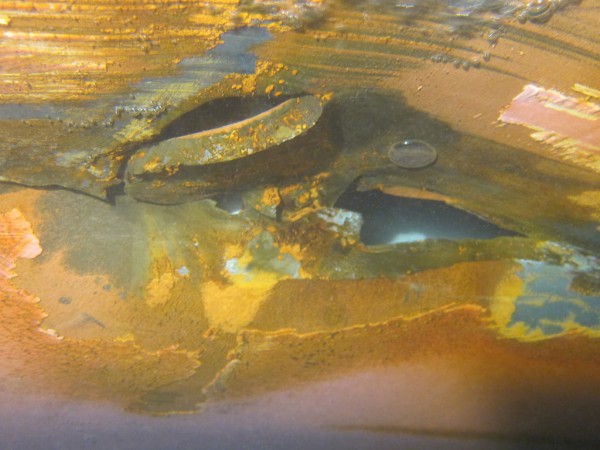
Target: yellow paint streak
{"x":591,"y":200}
{"x":586,"y":90}
{"x":158,"y":289}
{"x":128,"y":337}
{"x":592,"y":117}
{"x":231,"y":307}
{"x":502,"y":305}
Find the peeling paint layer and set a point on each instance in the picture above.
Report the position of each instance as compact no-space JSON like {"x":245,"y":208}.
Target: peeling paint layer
{"x":16,"y":241}
{"x":570,"y":124}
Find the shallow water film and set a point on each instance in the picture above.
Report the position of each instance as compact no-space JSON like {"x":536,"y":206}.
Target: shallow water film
{"x":303,"y":224}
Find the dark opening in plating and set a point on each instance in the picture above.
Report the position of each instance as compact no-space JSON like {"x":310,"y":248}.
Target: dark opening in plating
{"x":390,"y":219}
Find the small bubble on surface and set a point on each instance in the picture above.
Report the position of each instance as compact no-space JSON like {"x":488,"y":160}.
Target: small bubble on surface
{"x":412,"y":154}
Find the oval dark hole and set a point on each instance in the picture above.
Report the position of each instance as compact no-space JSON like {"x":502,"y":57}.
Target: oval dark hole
{"x":218,"y":113}
{"x":389,"y":219}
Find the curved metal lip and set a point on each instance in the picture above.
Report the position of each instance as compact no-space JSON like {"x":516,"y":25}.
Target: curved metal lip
{"x":254,"y":134}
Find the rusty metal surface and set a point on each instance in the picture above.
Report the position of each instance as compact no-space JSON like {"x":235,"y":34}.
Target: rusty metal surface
{"x":257,"y":123}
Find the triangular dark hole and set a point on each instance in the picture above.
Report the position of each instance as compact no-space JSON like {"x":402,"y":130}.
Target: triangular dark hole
{"x":390,"y":219}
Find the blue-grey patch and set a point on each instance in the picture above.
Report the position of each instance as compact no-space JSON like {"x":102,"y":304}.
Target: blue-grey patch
{"x":72,"y":158}
{"x":345,"y":222}
{"x":548,"y":305}
{"x":183,"y":271}
{"x":65,"y":300}
{"x":200,"y":72}
{"x":232,"y":55}
{"x":233,"y":266}
{"x":18,"y":111}
{"x":266,"y":257}
{"x":549,"y":330}
{"x":409,"y":236}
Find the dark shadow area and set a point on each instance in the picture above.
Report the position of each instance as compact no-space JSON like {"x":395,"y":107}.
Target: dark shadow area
{"x":555,"y":409}
{"x":368,"y":116}
{"x":231,"y":202}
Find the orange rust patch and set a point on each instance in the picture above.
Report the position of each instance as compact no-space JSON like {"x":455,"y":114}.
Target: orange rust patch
{"x":87,"y":369}
{"x":40,"y":360}
{"x":507,"y":371}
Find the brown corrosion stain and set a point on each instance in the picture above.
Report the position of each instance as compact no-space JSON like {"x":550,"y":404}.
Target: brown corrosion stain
{"x":461,"y":335}
{"x":78,"y":306}
{"x":89,"y":369}
{"x":328,"y":305}
{"x":524,"y":388}
{"x":293,"y":331}
{"x":39,"y":360}
{"x":351,"y":50}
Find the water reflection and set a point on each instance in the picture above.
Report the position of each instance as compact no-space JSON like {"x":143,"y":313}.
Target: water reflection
{"x":548,"y":306}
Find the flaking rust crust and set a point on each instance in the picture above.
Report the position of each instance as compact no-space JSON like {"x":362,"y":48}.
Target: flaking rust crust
{"x":461,"y":334}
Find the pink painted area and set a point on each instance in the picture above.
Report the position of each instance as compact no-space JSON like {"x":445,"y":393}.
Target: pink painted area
{"x":549,"y":110}
{"x":16,"y":241}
